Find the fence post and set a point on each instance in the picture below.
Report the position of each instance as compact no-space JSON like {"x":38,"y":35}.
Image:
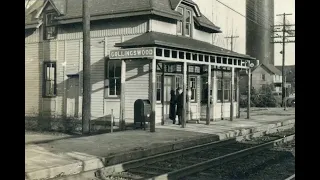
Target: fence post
{"x":111,"y":130}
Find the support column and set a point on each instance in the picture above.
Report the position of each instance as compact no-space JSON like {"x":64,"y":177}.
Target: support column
{"x":222,"y":94}
{"x":184,"y":113}
{"x":209,"y":96}
{"x":188,"y":105}
{"x":231,"y":94}
{"x":249,"y":93}
{"x":238,"y":93}
{"x":214,"y":93}
{"x":162,"y":93}
{"x":153,"y":96}
{"x":122,"y":95}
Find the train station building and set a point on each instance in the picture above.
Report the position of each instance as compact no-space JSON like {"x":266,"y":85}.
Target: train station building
{"x":140,"y":49}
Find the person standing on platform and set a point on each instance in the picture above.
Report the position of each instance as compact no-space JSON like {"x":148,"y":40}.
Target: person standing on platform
{"x":179,"y":105}
{"x":172,"y":108}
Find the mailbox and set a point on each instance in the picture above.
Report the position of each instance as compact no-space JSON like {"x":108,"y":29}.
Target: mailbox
{"x":142,"y":112}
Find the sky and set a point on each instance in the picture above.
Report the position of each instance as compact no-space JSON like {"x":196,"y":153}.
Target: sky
{"x":280,"y":7}
{"x":231,"y":22}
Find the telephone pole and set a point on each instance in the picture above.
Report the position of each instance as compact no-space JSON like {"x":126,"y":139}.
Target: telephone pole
{"x":86,"y":100}
{"x":231,"y":37}
{"x":283,"y":42}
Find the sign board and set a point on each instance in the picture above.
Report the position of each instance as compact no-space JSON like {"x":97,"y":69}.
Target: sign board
{"x":132,"y":53}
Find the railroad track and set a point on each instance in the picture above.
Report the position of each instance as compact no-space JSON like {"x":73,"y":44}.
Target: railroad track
{"x":291,"y":177}
{"x":187,"y":163}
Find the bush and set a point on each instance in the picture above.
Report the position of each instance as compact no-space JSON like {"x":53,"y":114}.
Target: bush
{"x":261,"y":98}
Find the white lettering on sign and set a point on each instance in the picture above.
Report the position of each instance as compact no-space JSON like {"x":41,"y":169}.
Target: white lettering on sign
{"x":131,"y":53}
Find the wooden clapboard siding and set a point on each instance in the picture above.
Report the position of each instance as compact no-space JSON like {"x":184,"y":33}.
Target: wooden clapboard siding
{"x":61,"y":77}
{"x":31,"y":35}
{"x":32,"y":80}
{"x":103,"y":29}
{"x":72,"y":56}
{"x":137,"y":85}
{"x":97,"y":77}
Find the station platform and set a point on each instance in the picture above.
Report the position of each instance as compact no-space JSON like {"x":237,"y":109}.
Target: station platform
{"x":51,"y":155}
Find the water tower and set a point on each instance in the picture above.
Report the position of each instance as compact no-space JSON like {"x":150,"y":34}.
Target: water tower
{"x":259,"y":22}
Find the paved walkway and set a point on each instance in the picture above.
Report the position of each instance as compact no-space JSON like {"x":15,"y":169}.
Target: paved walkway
{"x":70,"y":154}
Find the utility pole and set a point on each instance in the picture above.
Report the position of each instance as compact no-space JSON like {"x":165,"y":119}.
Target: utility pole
{"x":86,"y":100}
{"x":231,"y":37}
{"x":283,"y":42}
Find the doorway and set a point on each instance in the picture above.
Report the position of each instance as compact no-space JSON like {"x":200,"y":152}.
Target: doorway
{"x":171,"y":82}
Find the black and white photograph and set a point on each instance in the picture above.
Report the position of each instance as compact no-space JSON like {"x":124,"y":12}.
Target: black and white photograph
{"x":159,"y":89}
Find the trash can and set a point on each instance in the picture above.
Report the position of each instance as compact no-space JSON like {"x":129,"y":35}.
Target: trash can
{"x":142,"y":112}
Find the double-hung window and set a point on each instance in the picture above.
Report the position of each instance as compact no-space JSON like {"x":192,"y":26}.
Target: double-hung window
{"x":50,"y":79}
{"x":114,"y":76}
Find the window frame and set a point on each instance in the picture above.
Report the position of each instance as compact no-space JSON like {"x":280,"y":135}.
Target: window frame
{"x":159,"y":83}
{"x":44,"y":80}
{"x":117,"y":78}
{"x":180,"y":21}
{"x":47,"y":25}
{"x":188,"y":23}
{"x":185,"y":10}
{"x":227,"y":83}
{"x":263,"y":77}
{"x":195,"y":88}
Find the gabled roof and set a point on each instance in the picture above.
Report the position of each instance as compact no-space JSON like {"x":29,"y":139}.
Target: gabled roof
{"x":290,"y":72}
{"x":180,"y":42}
{"x":116,"y":8}
{"x":45,"y":5}
{"x":269,"y":67}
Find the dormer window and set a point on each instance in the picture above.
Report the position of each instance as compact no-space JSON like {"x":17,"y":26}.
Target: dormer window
{"x":188,"y":23}
{"x":50,"y":30}
{"x":184,"y":26}
{"x":180,"y":22}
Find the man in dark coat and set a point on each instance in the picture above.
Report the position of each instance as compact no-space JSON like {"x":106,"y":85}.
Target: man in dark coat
{"x":172,"y":109}
{"x":179,"y":105}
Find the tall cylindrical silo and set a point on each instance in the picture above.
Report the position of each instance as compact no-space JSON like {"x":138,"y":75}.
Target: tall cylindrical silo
{"x":259,"y":22}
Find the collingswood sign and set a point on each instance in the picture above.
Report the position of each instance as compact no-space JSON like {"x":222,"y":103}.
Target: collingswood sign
{"x":131,"y":53}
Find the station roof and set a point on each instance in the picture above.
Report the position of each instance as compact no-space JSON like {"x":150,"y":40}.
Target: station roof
{"x":180,"y":42}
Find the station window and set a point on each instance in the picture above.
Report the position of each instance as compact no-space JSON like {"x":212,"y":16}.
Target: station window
{"x":263,"y":77}
{"x":50,"y":29}
{"x":178,"y":82}
{"x":204,"y":89}
{"x":114,"y":76}
{"x":227,"y":90}
{"x":158,"y":88}
{"x":50,"y":79}
{"x":193,"y":88}
{"x":184,"y":26}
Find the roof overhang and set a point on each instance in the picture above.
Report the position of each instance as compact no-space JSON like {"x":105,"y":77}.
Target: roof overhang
{"x":206,"y":27}
{"x":160,"y":39}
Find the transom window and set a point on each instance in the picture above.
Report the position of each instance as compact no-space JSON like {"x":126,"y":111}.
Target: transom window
{"x":184,"y":26}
